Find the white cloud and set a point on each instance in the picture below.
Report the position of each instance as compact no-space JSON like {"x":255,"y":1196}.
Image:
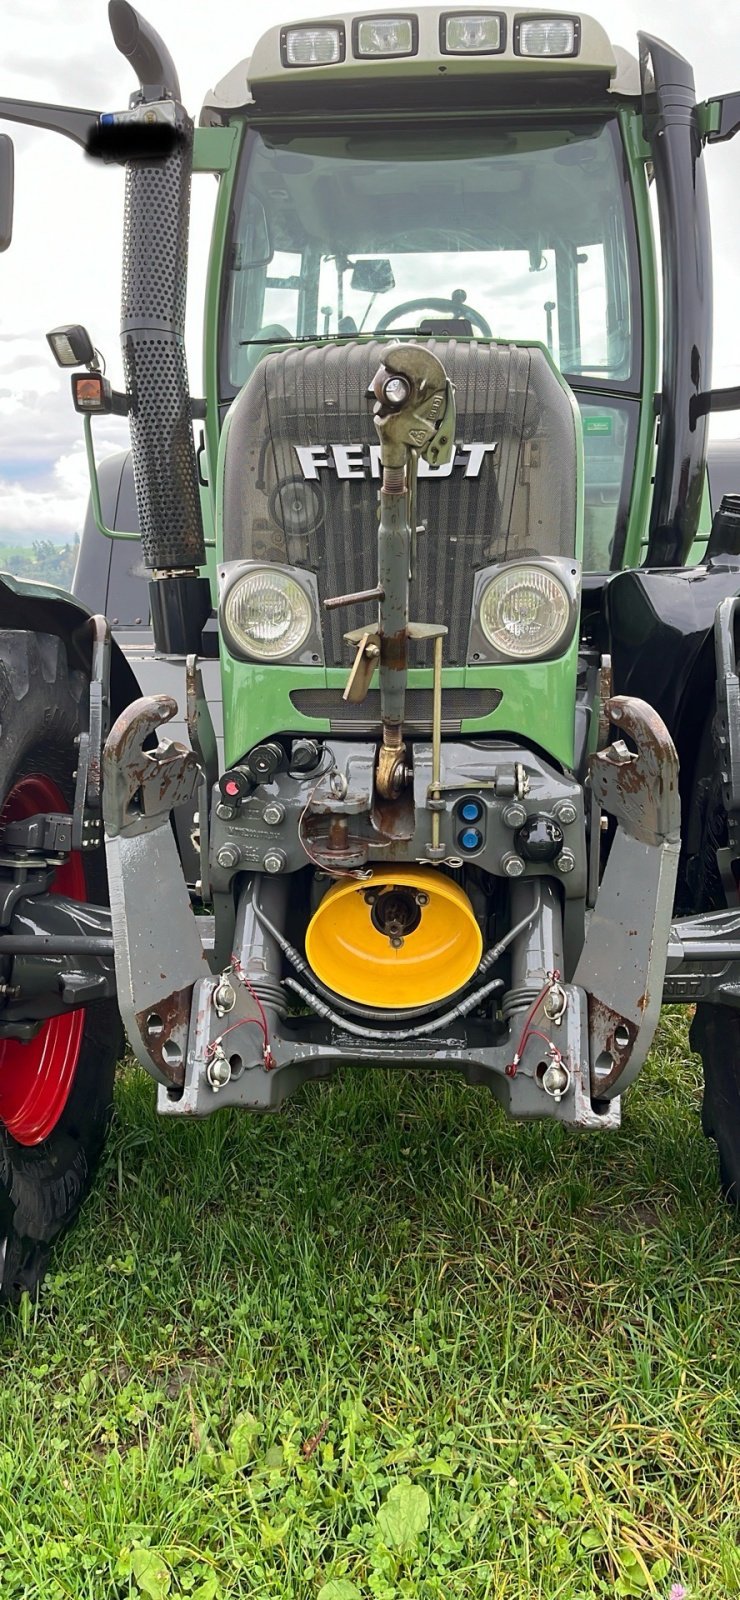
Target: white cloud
{"x":64,"y":265}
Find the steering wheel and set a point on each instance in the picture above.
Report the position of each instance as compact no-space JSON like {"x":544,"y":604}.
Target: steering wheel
{"x":456,"y":306}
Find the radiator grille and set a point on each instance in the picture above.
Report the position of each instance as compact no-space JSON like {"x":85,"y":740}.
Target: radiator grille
{"x":520,"y":502}
{"x":457,"y":704}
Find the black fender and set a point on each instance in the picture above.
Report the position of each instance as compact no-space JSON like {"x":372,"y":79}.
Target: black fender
{"x":661,"y":631}
{"x":43,"y":608}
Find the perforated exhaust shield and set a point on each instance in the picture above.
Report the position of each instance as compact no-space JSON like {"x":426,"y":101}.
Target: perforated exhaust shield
{"x":155,"y":254}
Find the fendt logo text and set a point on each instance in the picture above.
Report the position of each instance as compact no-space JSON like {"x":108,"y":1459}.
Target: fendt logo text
{"x":362,"y":461}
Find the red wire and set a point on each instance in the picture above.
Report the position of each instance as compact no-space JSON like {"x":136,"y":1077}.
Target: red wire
{"x":528,"y":1029}
{"x":267,"y":1054}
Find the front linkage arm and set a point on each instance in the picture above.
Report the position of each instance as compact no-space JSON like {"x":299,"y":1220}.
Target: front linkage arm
{"x":622,"y":964}
{"x":158,"y":950}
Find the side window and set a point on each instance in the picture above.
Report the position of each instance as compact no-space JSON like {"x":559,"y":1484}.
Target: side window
{"x":282,"y":292}
{"x":592,"y":305}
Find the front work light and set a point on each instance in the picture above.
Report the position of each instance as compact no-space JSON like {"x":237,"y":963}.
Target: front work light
{"x":472,"y":33}
{"x":547,"y":36}
{"x":266,"y":615}
{"x":312,"y":47}
{"x":385,"y":36}
{"x":525,"y":612}
{"x":72,"y":346}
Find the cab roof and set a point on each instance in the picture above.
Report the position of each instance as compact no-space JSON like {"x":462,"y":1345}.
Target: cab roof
{"x":429,"y":71}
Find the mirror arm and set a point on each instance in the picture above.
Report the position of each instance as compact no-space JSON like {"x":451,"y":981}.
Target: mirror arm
{"x":68,"y":120}
{"x":714,"y":400}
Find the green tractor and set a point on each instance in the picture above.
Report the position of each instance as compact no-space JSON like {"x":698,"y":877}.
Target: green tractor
{"x":477,"y":801}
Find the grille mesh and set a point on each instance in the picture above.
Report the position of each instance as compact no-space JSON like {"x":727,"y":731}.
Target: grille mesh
{"x":522,"y":502}
{"x":457,"y":704}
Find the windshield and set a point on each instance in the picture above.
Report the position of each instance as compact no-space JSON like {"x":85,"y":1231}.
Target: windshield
{"x":461,"y":232}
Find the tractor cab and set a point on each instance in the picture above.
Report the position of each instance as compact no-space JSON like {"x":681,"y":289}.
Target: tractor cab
{"x":506,"y":228}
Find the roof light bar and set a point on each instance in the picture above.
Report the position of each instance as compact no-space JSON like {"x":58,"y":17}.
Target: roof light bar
{"x":385,"y":36}
{"x":547,"y":36}
{"x":472,"y":33}
{"x":312,"y":47}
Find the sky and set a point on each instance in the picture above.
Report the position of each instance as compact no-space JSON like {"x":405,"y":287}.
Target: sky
{"x":64,"y":263}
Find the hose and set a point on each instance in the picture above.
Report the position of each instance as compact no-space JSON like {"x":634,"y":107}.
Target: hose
{"x":393,"y":1035}
{"x":370,"y":1013}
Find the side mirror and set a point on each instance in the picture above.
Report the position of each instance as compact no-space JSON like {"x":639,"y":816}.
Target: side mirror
{"x":722,"y":118}
{"x":374,"y":276}
{"x":7,"y":169}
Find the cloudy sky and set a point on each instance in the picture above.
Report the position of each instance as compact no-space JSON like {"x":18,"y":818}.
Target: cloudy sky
{"x":64,"y":263}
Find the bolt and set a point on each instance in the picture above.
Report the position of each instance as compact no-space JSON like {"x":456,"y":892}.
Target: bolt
{"x":273,"y":813}
{"x":218,"y":1071}
{"x":556,"y":1080}
{"x":513,"y":816}
{"x":274,"y":861}
{"x":565,"y":861}
{"x":395,"y":941}
{"x":555,"y":1004}
{"x":512,"y":865}
{"x":422,"y":900}
{"x":224,"y":997}
{"x":228,"y":856}
{"x":224,"y":812}
{"x":565,"y":812}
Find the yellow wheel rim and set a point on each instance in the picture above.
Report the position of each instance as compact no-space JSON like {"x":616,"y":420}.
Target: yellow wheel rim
{"x":348,"y":943}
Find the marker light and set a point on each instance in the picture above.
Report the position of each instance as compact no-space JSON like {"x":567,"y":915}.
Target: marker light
{"x":91,"y":392}
{"x":475,"y":33}
{"x":525,"y":612}
{"x":266,"y":614}
{"x":547,"y":36}
{"x":385,"y":36}
{"x":312,"y":47}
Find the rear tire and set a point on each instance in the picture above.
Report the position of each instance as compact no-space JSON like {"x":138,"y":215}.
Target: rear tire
{"x":44,"y":1180}
{"x":715,"y":1030}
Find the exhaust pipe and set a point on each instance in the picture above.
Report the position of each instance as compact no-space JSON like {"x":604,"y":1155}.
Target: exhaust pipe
{"x":154,"y":287}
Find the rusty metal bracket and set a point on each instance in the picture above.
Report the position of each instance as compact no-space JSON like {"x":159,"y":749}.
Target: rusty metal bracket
{"x":159,"y":953}
{"x":623,"y":960}
{"x":364,"y":666}
{"x":639,"y":787}
{"x":142,"y":786}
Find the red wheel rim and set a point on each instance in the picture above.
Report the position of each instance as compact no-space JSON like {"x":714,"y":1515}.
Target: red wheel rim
{"x":36,"y":1077}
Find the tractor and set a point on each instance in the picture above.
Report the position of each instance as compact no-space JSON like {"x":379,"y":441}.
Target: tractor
{"x":431,"y":754}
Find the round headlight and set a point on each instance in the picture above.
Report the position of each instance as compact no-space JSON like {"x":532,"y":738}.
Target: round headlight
{"x":267,"y":614}
{"x":525,"y":612}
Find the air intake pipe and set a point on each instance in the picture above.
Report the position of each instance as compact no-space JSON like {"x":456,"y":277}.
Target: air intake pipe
{"x":671,"y":128}
{"x":154,"y":287}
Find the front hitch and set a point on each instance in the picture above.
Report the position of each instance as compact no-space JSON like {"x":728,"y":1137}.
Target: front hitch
{"x":623,"y":961}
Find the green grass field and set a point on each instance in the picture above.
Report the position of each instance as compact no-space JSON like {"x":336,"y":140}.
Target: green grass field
{"x":384,"y":1344}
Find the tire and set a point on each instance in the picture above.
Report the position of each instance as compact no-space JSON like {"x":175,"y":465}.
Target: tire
{"x":56,"y":1092}
{"x":715,"y":1030}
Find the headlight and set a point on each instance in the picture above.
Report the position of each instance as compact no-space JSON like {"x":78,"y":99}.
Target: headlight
{"x":312,"y":47}
{"x":525,"y":612}
{"x":266,"y":614}
{"x":546,"y":36}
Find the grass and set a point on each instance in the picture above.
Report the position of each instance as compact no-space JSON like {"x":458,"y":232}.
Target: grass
{"x":383,"y":1344}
